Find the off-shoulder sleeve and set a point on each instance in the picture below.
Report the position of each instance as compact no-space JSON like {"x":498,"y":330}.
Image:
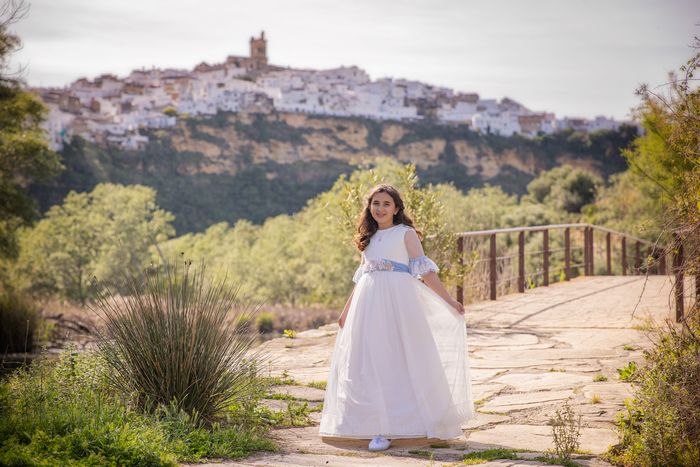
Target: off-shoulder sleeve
{"x":421,"y":265}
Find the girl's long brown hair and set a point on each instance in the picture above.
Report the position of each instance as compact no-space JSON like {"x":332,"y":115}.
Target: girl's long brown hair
{"x":367,"y":226}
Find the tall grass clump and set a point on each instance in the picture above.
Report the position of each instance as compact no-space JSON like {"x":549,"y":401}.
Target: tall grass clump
{"x":173,"y":340}
{"x":19,"y":322}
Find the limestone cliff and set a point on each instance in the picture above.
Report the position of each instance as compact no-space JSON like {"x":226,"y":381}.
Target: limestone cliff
{"x":232,"y":166}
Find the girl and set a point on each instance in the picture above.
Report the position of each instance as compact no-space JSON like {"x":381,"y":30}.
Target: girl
{"x":399,"y":368}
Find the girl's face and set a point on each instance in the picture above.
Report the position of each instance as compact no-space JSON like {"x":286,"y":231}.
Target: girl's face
{"x":383,"y":209}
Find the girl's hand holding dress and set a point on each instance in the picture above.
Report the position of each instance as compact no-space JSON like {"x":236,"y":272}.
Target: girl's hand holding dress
{"x":457,"y":306}
{"x":431,"y":279}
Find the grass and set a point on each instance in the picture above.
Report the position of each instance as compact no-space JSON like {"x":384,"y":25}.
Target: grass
{"x":281,"y":397}
{"x":421,"y":453}
{"x":479,"y":457}
{"x":555,"y":461}
{"x":63,"y":411}
{"x":596,"y":399}
{"x":629,"y":347}
{"x":599,"y":378}
{"x":282,"y":380}
{"x":440,"y":445}
{"x":317,"y":385}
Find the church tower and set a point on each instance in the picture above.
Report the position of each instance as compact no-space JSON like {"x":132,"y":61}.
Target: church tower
{"x":258,"y":52}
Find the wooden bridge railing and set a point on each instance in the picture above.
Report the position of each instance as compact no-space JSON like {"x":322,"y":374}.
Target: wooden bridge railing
{"x":645,"y":255}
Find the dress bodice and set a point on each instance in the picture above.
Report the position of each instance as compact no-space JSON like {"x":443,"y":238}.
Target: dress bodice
{"x":388,"y":244}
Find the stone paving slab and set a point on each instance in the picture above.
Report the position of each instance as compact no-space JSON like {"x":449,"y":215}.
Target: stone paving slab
{"x":529,"y":353}
{"x":519,"y":401}
{"x":538,"y":438}
{"x":524,"y":382}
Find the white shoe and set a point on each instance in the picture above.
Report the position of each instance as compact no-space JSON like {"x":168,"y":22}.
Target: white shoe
{"x":379,"y":443}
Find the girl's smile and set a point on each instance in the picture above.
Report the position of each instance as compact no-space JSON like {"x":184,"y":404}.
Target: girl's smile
{"x":383,"y":210}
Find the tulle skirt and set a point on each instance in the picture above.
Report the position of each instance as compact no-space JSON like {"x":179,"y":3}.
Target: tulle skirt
{"x":400,"y":366}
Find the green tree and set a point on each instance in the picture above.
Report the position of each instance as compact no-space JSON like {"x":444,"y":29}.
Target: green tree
{"x":630,"y":204}
{"x":480,"y":209}
{"x":101,"y":234}
{"x":24,"y":153}
{"x":564,"y":188}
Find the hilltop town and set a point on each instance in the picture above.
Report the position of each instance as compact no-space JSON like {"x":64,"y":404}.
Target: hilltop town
{"x":112,"y":110}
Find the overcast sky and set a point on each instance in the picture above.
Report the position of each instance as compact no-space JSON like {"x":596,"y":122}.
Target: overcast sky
{"x":572,"y":57}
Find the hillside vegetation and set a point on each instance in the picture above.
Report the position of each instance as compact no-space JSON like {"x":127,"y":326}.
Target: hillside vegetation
{"x":253,"y":166}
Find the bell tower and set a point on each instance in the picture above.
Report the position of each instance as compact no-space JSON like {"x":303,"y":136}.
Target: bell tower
{"x":258,"y":52}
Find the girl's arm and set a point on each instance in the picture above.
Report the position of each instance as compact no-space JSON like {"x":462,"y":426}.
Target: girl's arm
{"x":431,"y":279}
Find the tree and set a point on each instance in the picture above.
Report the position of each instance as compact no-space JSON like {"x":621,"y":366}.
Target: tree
{"x":564,"y":188}
{"x":102,"y":233}
{"x":24,"y":153}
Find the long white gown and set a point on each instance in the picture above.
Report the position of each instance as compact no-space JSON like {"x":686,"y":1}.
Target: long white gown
{"x":400,"y":367}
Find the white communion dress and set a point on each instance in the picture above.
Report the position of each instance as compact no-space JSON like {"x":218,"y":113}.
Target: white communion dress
{"x":400,"y":367}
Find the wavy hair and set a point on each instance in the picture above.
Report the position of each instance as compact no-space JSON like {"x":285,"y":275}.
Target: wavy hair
{"x":367,"y":226}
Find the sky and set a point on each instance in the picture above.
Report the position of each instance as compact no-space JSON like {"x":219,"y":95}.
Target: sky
{"x":573,"y":57}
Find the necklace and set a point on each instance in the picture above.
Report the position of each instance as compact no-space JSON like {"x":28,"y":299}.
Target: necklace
{"x":380,"y":233}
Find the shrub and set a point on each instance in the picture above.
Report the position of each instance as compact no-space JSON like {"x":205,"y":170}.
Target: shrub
{"x":171,"y":342}
{"x":19,"y":320}
{"x":64,"y":411}
{"x":629,"y":372}
{"x":566,"y":430}
{"x":55,"y":411}
{"x":265,"y":322}
{"x":661,"y":424}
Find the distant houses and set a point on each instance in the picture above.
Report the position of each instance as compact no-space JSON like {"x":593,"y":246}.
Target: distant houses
{"x":112,"y":110}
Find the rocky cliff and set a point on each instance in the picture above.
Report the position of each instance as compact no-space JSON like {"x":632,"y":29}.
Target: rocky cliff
{"x":231,"y":166}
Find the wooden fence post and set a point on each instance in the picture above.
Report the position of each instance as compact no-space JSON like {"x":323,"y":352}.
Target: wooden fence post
{"x":585,"y":251}
{"x":608,"y":253}
{"x":492,"y":266}
{"x":678,"y":271}
{"x":545,"y":256}
{"x":591,"y":255}
{"x":637,"y":258}
{"x":567,"y":253}
{"x":521,"y":262}
{"x":460,"y":262}
{"x":624,"y":256}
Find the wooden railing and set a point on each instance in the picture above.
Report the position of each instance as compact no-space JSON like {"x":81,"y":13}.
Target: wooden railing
{"x":646,"y":257}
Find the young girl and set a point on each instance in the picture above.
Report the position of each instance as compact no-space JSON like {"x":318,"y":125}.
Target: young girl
{"x":399,"y":368}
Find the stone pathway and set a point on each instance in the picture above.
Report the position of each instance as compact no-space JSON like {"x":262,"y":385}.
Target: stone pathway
{"x":529,"y":354}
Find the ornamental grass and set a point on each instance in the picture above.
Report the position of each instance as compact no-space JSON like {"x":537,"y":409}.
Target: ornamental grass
{"x":172,"y":340}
